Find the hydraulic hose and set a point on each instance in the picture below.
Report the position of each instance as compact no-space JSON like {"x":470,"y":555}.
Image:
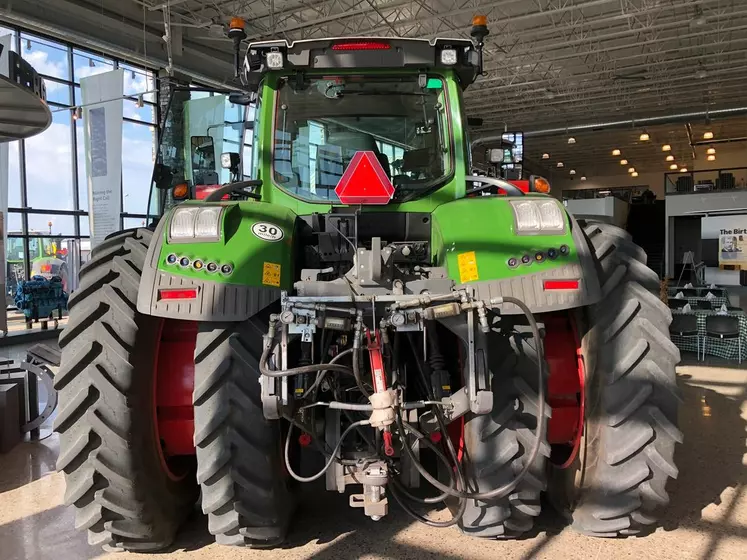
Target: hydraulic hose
{"x":460,"y":482}
{"x":506,"y":489}
{"x":321,"y":375}
{"x":357,"y":372}
{"x":312,"y":368}
{"x":333,"y":457}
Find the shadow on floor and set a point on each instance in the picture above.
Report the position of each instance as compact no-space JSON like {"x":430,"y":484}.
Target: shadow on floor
{"x":710,"y":460}
{"x":27,"y":462}
{"x":44,"y":535}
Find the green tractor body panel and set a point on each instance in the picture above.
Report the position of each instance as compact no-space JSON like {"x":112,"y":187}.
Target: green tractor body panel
{"x":256,"y":243}
{"x":476,"y":239}
{"x":472,"y":239}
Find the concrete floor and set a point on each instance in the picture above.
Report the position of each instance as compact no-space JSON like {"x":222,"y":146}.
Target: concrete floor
{"x":707,"y":518}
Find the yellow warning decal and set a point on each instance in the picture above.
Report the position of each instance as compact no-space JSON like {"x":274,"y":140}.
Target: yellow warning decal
{"x":271,"y":274}
{"x":467,"y":267}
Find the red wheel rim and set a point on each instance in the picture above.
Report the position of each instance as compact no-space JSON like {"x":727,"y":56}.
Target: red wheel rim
{"x":173,"y":385}
{"x":565,"y":386}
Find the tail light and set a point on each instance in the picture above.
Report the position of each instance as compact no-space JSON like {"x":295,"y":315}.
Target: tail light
{"x":561,"y":285}
{"x":177,"y":293}
{"x":361,"y":46}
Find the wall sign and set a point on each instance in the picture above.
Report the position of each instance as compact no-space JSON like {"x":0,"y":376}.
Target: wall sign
{"x":732,"y":247}
{"x":102,"y":126}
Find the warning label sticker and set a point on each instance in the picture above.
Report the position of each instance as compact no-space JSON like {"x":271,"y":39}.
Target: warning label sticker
{"x":271,"y":274}
{"x":467,"y":267}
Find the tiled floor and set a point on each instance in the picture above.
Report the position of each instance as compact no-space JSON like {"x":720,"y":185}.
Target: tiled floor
{"x":707,"y":518}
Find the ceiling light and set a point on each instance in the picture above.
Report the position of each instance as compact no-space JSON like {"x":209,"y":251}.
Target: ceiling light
{"x":623,"y":162}
{"x":545,"y":156}
{"x":670,"y":157}
{"x":583,"y":177}
{"x":615,"y":152}
{"x":683,"y":170}
{"x":711,"y":151}
{"x":139,"y":101}
{"x":673,"y":166}
{"x":708,"y":135}
{"x":711,"y":157}
{"x":572,"y":172}
{"x":701,"y":73}
{"x":560,"y":164}
{"x":634,"y":174}
{"x":644,"y":137}
{"x":77,"y":113}
{"x":28,"y":44}
{"x":666,"y":148}
{"x":571,"y":140}
{"x":631,"y":170}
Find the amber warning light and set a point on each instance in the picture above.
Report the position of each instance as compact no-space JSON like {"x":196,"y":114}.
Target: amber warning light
{"x":364,"y":181}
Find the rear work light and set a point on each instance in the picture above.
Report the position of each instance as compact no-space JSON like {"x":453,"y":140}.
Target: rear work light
{"x":561,"y":284}
{"x":362,"y":46}
{"x":449,"y":57}
{"x":274,"y":60}
{"x":177,"y":293}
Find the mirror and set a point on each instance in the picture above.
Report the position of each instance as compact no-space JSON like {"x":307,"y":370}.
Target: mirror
{"x":162,"y":176}
{"x":203,"y":159}
{"x":242,"y":98}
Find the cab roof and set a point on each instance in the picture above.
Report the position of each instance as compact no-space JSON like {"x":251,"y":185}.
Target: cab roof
{"x":352,"y":53}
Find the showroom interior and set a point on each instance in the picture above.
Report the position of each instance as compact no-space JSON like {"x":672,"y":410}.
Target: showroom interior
{"x":118,"y":117}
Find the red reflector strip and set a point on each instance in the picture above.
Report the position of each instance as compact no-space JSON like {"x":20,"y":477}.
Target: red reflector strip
{"x":179,"y":293}
{"x":361,"y":46}
{"x":561,"y":284}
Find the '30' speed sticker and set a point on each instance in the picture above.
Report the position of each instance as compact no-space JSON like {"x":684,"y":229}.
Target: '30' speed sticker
{"x":267,"y":231}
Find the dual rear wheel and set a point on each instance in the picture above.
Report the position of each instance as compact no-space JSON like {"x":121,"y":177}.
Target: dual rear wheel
{"x":131,"y":470}
{"x":614,"y":484}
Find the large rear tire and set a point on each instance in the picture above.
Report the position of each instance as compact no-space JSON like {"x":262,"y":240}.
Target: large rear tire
{"x":123,"y":492}
{"x":244,"y":490}
{"x":618,"y":481}
{"x":497,"y":444}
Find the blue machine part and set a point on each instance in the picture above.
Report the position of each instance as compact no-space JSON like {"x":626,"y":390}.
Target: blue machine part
{"x":39,"y":297}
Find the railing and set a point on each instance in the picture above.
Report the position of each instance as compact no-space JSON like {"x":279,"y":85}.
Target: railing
{"x":712,"y":180}
{"x":626,"y":194}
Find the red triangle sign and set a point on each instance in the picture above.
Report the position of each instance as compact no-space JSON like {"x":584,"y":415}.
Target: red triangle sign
{"x":364,"y":181}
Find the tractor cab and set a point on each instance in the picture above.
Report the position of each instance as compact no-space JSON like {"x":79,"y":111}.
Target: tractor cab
{"x":311,"y":107}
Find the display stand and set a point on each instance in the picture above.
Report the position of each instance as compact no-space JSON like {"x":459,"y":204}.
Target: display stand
{"x":697,"y":271}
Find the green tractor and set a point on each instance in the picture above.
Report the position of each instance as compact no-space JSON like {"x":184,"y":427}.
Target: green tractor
{"x":350,"y":305}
